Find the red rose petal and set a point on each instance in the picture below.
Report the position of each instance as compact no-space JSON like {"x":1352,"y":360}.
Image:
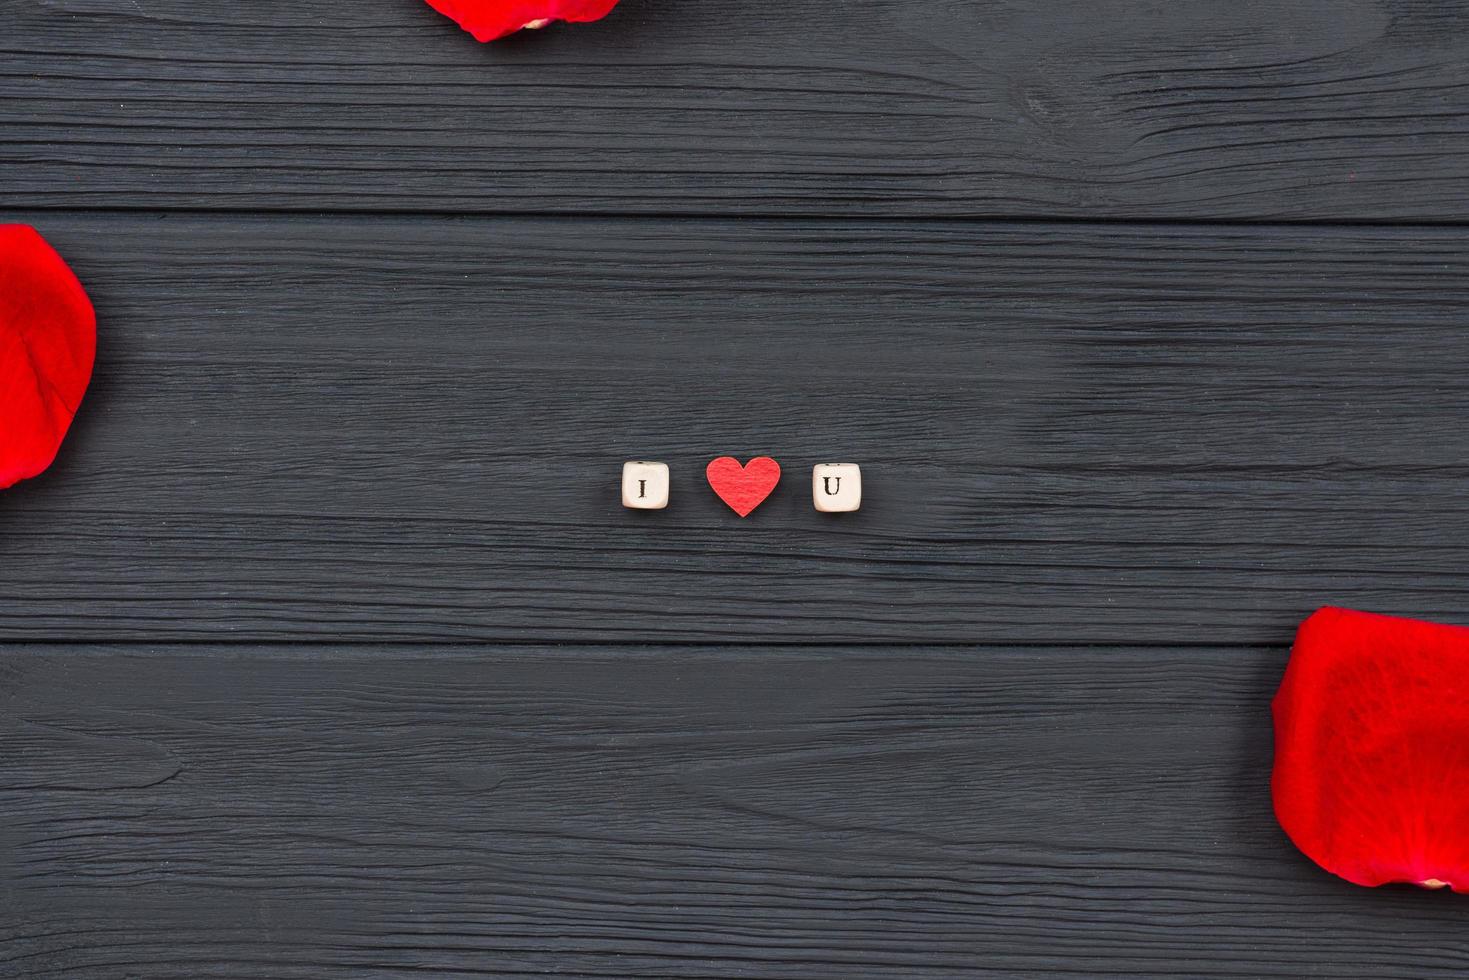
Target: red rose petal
{"x":491,"y":19}
{"x":48,"y":338}
{"x":1372,"y":748}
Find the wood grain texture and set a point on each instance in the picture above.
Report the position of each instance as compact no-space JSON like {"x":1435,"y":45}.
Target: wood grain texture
{"x":997,"y":724}
{"x":1069,"y":434}
{"x":1314,"y":109}
{"x":319,"y":813}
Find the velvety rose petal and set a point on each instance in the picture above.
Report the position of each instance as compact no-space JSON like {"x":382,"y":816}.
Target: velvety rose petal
{"x":491,"y":19}
{"x":1371,"y":773}
{"x":48,"y":338}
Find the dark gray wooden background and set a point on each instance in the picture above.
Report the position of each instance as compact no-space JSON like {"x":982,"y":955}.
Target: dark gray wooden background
{"x":329,"y":653}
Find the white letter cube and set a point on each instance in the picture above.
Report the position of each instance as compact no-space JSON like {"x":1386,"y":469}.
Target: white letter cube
{"x":645,"y":485}
{"x":836,"y":488}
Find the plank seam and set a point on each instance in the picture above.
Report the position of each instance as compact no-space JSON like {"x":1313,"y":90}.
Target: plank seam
{"x":369,"y":214}
{"x":11,"y":645}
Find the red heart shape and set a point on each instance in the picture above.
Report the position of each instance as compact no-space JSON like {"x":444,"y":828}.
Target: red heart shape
{"x":743,"y":487}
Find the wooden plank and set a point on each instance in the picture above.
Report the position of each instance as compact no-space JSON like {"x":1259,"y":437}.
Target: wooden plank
{"x":1315,"y":109}
{"x":415,"y":429}
{"x":318,"y":813}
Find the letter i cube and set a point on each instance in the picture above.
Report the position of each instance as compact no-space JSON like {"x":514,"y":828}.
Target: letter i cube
{"x":644,"y":485}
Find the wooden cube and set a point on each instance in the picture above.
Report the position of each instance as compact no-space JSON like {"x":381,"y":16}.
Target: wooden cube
{"x":836,"y":488}
{"x":644,"y":485}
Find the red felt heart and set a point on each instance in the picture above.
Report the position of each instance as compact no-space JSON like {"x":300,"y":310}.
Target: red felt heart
{"x":1372,"y":748}
{"x":743,"y":487}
